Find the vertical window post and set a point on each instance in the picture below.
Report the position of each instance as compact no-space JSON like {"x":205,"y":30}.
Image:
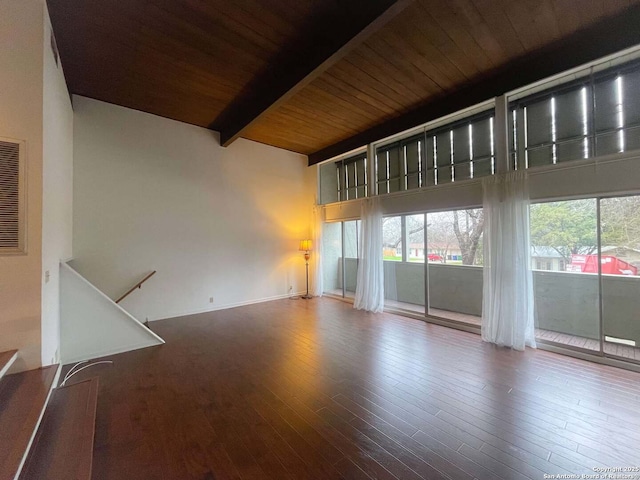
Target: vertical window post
{"x":405,"y":240}
{"x":372,"y":181}
{"x":501,"y":137}
{"x":405,"y":169}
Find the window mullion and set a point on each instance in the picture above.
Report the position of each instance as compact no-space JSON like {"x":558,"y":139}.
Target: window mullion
{"x":405,"y":240}
{"x":500,"y":135}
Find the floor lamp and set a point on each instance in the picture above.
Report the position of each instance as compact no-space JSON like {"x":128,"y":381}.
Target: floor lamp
{"x":305,"y":246}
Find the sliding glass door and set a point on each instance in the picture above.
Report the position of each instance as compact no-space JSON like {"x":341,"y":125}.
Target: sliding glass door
{"x":454,"y":255}
{"x":341,"y":242}
{"x":332,"y":265}
{"x":585,"y":258}
{"x":351,"y":256}
{"x":564,"y":260}
{"x":403,"y":252}
{"x":620,"y":282}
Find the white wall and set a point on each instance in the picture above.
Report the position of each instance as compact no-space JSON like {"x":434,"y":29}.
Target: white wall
{"x":21,"y":94}
{"x":57,"y":191}
{"x":156,"y":194}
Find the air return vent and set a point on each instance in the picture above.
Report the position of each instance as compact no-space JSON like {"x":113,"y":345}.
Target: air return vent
{"x":11,"y":196}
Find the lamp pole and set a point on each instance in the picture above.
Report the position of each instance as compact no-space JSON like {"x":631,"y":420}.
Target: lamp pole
{"x":305,"y":246}
{"x":306,"y":259}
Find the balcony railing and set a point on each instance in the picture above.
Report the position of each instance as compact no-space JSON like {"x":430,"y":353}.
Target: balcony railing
{"x":567,"y":308}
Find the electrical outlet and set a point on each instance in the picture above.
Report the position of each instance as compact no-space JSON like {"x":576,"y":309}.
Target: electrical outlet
{"x":47,"y":275}
{"x":290,"y":287}
{"x":210,"y":299}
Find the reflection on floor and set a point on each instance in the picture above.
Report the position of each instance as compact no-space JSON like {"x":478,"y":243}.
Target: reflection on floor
{"x":623,"y":351}
{"x":317,"y":390}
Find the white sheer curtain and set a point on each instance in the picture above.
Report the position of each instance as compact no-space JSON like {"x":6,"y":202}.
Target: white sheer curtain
{"x":507,"y":302}
{"x":370,"y":278}
{"x":316,"y":255}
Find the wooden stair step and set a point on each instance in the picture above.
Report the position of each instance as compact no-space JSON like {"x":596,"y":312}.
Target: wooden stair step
{"x":23,"y":397}
{"x":63,"y":448}
{"x":6,"y":360}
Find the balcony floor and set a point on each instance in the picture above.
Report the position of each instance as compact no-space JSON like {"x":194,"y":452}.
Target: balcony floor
{"x":610,"y":348}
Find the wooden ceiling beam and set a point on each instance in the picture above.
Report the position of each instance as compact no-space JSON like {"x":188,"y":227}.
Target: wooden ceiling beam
{"x":606,"y":37}
{"x":320,"y":46}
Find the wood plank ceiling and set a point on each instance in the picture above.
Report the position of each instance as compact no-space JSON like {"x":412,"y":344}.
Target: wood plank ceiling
{"x":194,"y":60}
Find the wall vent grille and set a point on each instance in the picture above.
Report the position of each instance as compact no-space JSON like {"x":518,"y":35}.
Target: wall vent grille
{"x":11,"y":196}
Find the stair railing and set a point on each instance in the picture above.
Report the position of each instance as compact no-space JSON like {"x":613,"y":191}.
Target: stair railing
{"x":136,"y":286}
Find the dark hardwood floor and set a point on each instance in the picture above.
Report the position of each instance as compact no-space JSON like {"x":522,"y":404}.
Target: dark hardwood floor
{"x":314,"y":389}
{"x":63,"y":446}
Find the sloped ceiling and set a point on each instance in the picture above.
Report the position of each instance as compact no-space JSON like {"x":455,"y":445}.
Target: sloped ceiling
{"x":321,"y":77}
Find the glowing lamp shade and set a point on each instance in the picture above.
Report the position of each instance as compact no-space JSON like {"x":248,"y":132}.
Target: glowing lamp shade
{"x":305,"y":245}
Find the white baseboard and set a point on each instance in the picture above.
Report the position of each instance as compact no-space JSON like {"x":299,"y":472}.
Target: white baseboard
{"x":228,"y":305}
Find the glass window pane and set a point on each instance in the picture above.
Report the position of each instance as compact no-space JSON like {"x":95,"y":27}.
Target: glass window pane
{"x":540,"y":156}
{"x":390,"y":168}
{"x":630,"y":97}
{"x":396,"y":170}
{"x":454,"y":253}
{"x":404,"y":281}
{"x":383,"y":184}
{"x":578,"y":120}
{"x":631,"y":139}
{"x":381,"y":168}
{"x":361,"y":176}
{"x":351,"y":255}
{"x":342,"y":182}
{"x":482,"y":138}
{"x":414,"y":153}
{"x":332,"y":258}
{"x":517,"y":135}
{"x":539,"y":123}
{"x":413,"y":181}
{"x":415,"y":238}
{"x":606,"y":115}
{"x":395,"y":185}
{"x":620,"y":263}
{"x":607,"y":143}
{"x":564,"y":258}
{"x":351,"y":180}
{"x":461,"y":147}
{"x":573,"y":150}
{"x":392,"y":238}
{"x":431,"y":161}
{"x":462,"y":172}
{"x":568,"y":114}
{"x":329,"y":186}
{"x":412,"y":156}
{"x":443,"y":175}
{"x":442,"y":148}
{"x":482,"y":168}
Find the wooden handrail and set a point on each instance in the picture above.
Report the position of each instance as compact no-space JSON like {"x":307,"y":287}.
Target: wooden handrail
{"x":137,"y":285}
